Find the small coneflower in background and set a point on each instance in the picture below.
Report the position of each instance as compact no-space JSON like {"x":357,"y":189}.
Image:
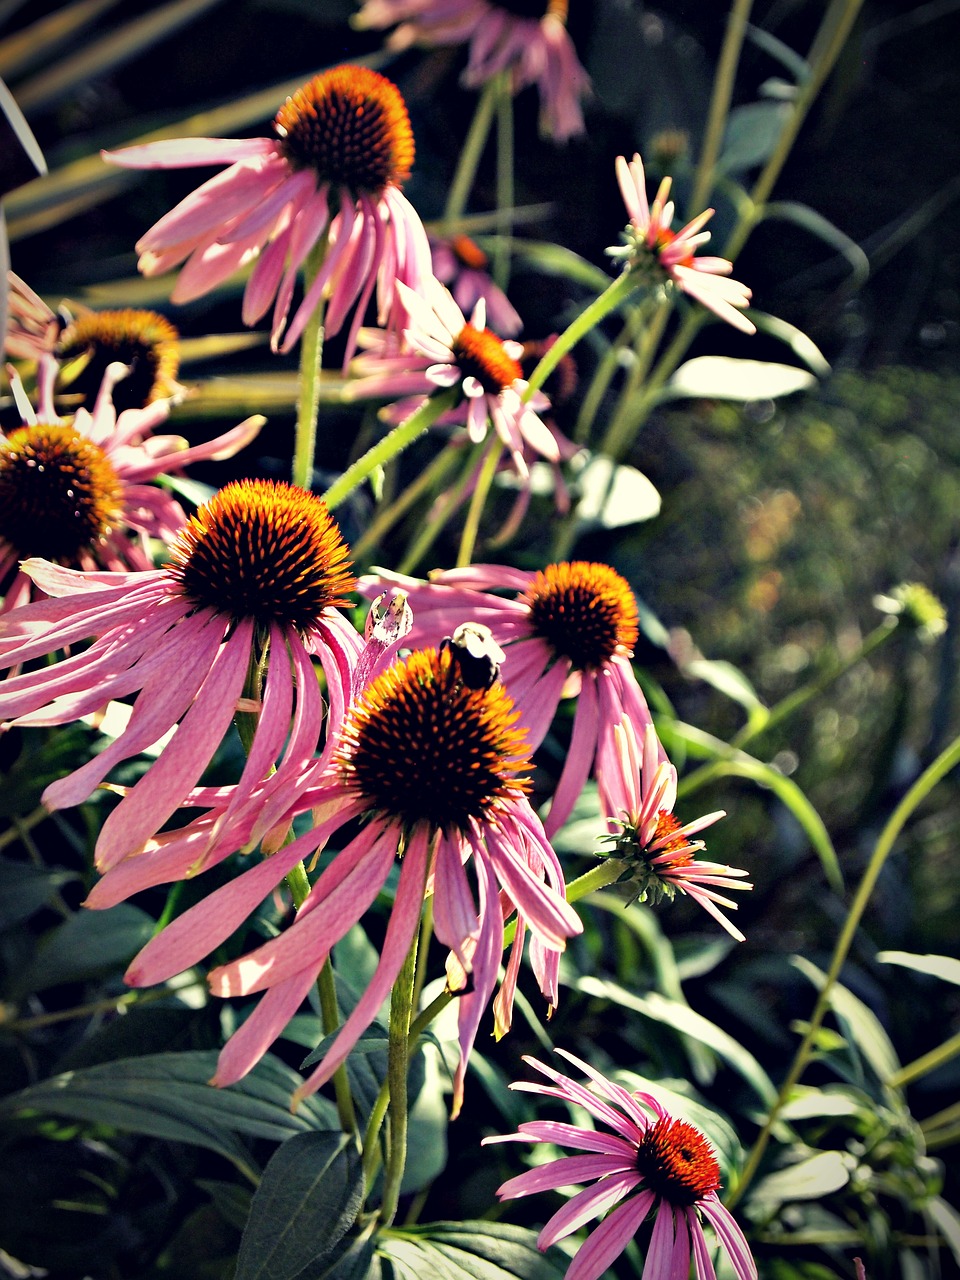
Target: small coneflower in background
{"x":462,"y":266}
{"x":659,"y":256}
{"x":443,"y":349}
{"x":649,"y":1164}
{"x":342,"y":149}
{"x":89,"y":342}
{"x":254,"y":581}
{"x":74,"y":490}
{"x":528,"y":40}
{"x":663,"y":857}
{"x":567,"y":630}
{"x":433,"y":771}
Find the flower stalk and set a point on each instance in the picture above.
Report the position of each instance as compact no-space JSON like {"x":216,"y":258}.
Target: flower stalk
{"x":311,"y":358}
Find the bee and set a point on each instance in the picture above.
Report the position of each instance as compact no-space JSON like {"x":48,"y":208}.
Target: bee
{"x":476,"y":653}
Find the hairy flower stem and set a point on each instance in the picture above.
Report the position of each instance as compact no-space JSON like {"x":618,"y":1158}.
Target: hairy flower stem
{"x":308,"y":400}
{"x":298,"y":883}
{"x":478,"y":500}
{"x":398,"y":1058}
{"x":505,"y":194}
{"x":612,"y":297}
{"x":947,"y":760}
{"x":400,"y":438}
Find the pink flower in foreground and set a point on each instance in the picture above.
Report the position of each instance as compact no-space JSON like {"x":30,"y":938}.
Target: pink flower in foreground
{"x":664,"y":256}
{"x":428,"y":769}
{"x":660,"y":851}
{"x":256,"y":574}
{"x":534,"y":50}
{"x":342,"y":150}
{"x":74,"y":490}
{"x":462,"y":266}
{"x":648,"y":1164}
{"x":568,"y":630}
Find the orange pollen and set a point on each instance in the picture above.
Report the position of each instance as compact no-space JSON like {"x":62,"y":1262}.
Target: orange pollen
{"x":584,"y":611}
{"x":59,"y":493}
{"x":422,"y":747}
{"x":265,"y":550}
{"x":469,"y":254}
{"x":481,"y":354}
{"x":351,"y":126}
{"x":677,"y":1162}
{"x":667,"y":825}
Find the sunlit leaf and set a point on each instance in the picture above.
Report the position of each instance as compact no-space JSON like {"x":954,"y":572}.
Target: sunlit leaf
{"x":727,"y":378}
{"x":802,"y":346}
{"x":945,"y":967}
{"x":811,"y":1179}
{"x":861,"y":1024}
{"x":41,"y":40}
{"x":466,"y":1251}
{"x":686,"y":1020}
{"x":612,"y":496}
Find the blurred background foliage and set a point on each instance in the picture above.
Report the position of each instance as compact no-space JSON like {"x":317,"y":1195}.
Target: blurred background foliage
{"x":781,"y":522}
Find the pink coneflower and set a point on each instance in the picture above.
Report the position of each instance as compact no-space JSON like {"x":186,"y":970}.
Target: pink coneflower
{"x":663,"y":256}
{"x":342,"y":149}
{"x":659,"y":849}
{"x":649,"y":1164}
{"x":433,"y":771}
{"x":253,"y":581}
{"x":568,"y":630}
{"x":451,"y":351}
{"x":462,"y":265}
{"x":528,"y":40}
{"x":74,"y":490}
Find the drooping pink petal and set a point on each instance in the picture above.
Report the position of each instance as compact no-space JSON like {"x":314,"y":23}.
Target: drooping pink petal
{"x":610,"y":1239}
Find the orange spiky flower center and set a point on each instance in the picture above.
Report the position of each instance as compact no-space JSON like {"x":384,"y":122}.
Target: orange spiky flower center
{"x":677,"y":1162}
{"x":351,"y":126}
{"x":144,"y":340}
{"x":59,"y":493}
{"x":422,"y":747}
{"x":584,"y":611}
{"x":479,"y":353}
{"x":265,"y":550}
{"x":668,"y":825}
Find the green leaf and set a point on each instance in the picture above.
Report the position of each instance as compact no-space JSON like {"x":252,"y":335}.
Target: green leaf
{"x":945,"y":967}
{"x":947,"y":1221}
{"x":25,"y":888}
{"x":861,"y":1025}
{"x":427,"y":1129}
{"x":86,"y":945}
{"x":801,"y":215}
{"x":802,"y":346}
{"x":308,"y":1198}
{"x":811,"y":1179}
{"x":726,"y":679}
{"x":808,"y":1103}
{"x":752,"y":134}
{"x":467,"y":1251}
{"x":798,"y":66}
{"x":688,"y":1022}
{"x":728,"y":378}
{"x":611,"y":496}
{"x":554,"y":260}
{"x":167,"y":1096}
{"x":41,"y":40}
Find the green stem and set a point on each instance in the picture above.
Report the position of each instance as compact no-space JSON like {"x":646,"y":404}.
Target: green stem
{"x":430,"y":533}
{"x":947,"y":760}
{"x":430,"y":477}
{"x":825,"y":50}
{"x":398,"y":439}
{"x":786,"y":707}
{"x":720,"y":101}
{"x":609,"y":363}
{"x":311,"y":356}
{"x":398,"y":1060}
{"x":15,"y":833}
{"x":928,"y":1062}
{"x":611,"y":298}
{"x":330,"y":1017}
{"x":626,"y":421}
{"x":473,"y":146}
{"x":478,"y":499}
